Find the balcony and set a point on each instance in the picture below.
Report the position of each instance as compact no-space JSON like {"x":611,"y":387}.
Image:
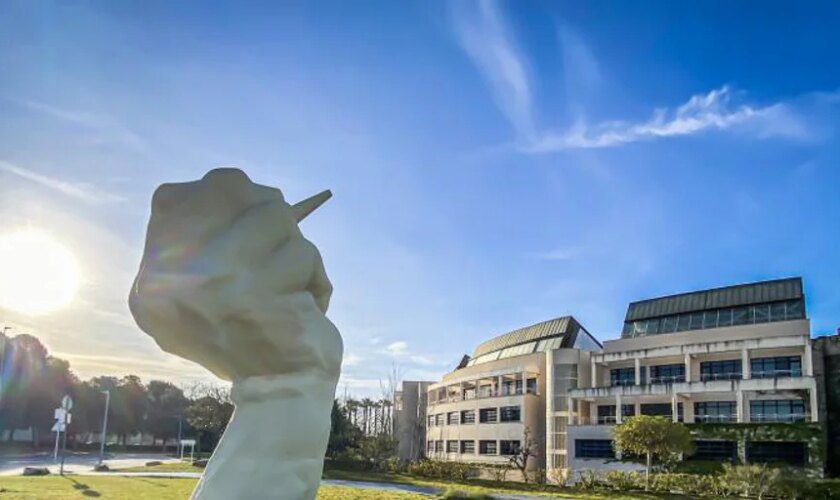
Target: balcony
{"x":785,"y":418}
{"x":715,"y":419}
{"x":486,"y":393}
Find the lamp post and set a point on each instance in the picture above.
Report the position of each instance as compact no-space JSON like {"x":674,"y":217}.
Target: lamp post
{"x":3,"y":341}
{"x":104,"y":426}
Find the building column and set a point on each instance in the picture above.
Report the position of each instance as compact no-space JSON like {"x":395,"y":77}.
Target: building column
{"x":594,"y":379}
{"x":743,"y":416}
{"x":618,"y":408}
{"x":808,"y":362}
{"x":572,"y":415}
{"x":745,"y":364}
{"x":687,"y":367}
{"x":638,"y":366}
{"x":815,"y":411}
{"x":674,"y":413}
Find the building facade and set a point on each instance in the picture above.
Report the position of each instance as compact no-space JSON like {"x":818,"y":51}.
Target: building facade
{"x":735,"y":363}
{"x":409,"y":419}
{"x":494,"y":402}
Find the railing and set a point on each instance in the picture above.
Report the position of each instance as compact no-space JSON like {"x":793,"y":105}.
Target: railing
{"x":485,"y":393}
{"x":779,"y":417}
{"x":622,"y":383}
{"x":776,"y":373}
{"x":706,"y":377}
{"x":667,"y":379}
{"x":716,"y":419}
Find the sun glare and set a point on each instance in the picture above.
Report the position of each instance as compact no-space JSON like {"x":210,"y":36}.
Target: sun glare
{"x":37,"y":273}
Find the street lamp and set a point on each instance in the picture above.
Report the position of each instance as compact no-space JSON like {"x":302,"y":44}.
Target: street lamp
{"x":3,"y":341}
{"x":104,"y":426}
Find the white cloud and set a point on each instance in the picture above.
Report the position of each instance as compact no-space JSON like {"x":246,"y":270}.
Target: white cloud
{"x":351,"y":359}
{"x":422,"y":360}
{"x":714,"y":110}
{"x":85,"y":192}
{"x":484,"y":35}
{"x":399,"y":348}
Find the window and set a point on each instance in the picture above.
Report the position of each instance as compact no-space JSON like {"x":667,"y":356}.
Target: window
{"x":431,"y":420}
{"x":715,"y":450}
{"x":777,"y":410}
{"x":452,"y":418}
{"x":780,"y":366}
{"x":509,"y":414}
{"x":438,"y":446}
{"x":683,"y":322}
{"x":667,"y":374}
{"x":729,"y":369}
{"x":710,"y":319}
{"x":662,"y":410}
{"x":508,"y":447}
{"x":652,"y":327}
{"x":761,"y":313}
{"x":468,"y":416}
{"x":594,"y":448}
{"x":668,"y":324}
{"x":795,"y":309}
{"x":486,"y":447}
{"x":740,"y":316}
{"x":623,"y":376}
{"x":452,"y":446}
{"x":696,"y":321}
{"x":468,"y":447}
{"x":777,"y":311}
{"x":439,"y":419}
{"x":531,"y":386}
{"x":773,"y":452}
{"x":488,"y":415}
{"x":606,"y":414}
{"x":430,"y":447}
{"x":714,"y":411}
{"x":628,"y":411}
{"x":724,"y":317}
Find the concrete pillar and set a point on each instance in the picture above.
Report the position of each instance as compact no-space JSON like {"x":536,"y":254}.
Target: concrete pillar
{"x":594,"y":380}
{"x":572,"y":415}
{"x":808,"y":362}
{"x":741,"y":407}
{"x":674,"y":416}
{"x":638,"y":366}
{"x":687,"y":367}
{"x":745,"y":364}
{"x":618,"y":408}
{"x":815,"y":413}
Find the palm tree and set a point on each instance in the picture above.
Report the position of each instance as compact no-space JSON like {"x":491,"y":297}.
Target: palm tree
{"x":351,"y":406}
{"x":367,"y":404}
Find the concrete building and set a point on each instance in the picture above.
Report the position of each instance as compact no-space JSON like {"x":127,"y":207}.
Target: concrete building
{"x":409,"y":419}
{"x":495,"y":400}
{"x":731,"y":362}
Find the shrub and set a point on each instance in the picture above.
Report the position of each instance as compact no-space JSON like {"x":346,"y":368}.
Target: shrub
{"x":751,"y":480}
{"x":587,"y":480}
{"x":538,"y":476}
{"x":437,"y":469}
{"x":453,"y":494}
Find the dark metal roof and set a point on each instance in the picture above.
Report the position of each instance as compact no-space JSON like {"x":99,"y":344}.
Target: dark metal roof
{"x":729,"y":296}
{"x":566,"y":325}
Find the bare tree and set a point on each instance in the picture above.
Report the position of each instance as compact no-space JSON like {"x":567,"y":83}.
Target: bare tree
{"x":389,"y":388}
{"x":521,"y":455}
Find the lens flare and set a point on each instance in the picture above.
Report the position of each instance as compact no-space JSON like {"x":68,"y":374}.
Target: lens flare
{"x":38,"y":274}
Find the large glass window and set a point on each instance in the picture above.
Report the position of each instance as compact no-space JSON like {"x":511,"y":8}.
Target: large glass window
{"x":508,"y":447}
{"x":486,"y":447}
{"x":623,"y":376}
{"x":779,"y":366}
{"x":740,"y":315}
{"x":662,"y":410}
{"x":606,"y":414}
{"x":761,"y":313}
{"x":438,"y":446}
{"x":777,"y":410}
{"x":509,"y":414}
{"x":683,"y":322}
{"x":452,"y":446}
{"x":668,"y":324}
{"x":468,"y":416}
{"x":488,"y":415}
{"x":452,"y":418}
{"x":594,"y":448}
{"x":794,"y":309}
{"x":714,"y":412}
{"x":777,"y":311}
{"x":468,"y":446}
{"x":439,"y":419}
{"x":696,"y":322}
{"x":728,"y":369}
{"x":652,"y":327}
{"x":774,"y":452}
{"x":715,"y":450}
{"x":710,"y":319}
{"x":667,"y":374}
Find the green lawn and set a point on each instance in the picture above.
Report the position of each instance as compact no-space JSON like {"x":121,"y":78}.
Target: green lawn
{"x":165,"y":467}
{"x":144,"y":488}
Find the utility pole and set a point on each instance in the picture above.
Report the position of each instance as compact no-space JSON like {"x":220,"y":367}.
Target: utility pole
{"x":104,"y":426}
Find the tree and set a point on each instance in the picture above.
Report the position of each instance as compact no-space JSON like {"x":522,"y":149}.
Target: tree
{"x":343,"y":434}
{"x":166,"y":407}
{"x":653,"y":437}
{"x":523,"y":453}
{"x":209,"y":414}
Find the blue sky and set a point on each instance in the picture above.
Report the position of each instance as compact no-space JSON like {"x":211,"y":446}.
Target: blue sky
{"x":493,"y":164}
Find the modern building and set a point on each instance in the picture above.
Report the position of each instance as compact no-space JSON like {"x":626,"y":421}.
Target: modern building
{"x":494,"y":402}
{"x":734,"y":363}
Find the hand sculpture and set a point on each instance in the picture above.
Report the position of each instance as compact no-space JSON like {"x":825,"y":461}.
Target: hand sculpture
{"x":227,"y":280}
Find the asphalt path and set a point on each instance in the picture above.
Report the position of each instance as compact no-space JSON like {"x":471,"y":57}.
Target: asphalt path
{"x":76,"y":462}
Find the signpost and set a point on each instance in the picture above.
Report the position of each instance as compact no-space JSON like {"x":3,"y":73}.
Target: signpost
{"x":62,"y":418}
{"x":104,"y":426}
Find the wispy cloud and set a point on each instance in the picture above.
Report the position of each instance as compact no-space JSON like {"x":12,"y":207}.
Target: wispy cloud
{"x":108,"y":125}
{"x":715,"y":110}
{"x":351,"y":359}
{"x":483,"y":33}
{"x":83,"y":191}
{"x":399,"y":348}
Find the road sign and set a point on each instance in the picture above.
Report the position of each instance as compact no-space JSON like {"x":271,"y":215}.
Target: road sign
{"x":59,"y":427}
{"x":67,"y":403}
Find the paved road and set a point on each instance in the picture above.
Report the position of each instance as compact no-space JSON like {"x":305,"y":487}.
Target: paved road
{"x":77,"y":462}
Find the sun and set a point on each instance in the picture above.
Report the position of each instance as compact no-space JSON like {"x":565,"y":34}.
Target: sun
{"x":38,"y":274}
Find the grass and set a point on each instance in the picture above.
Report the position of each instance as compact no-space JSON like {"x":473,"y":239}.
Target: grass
{"x":146,"y":488}
{"x":479,"y":487}
{"x":164,"y":467}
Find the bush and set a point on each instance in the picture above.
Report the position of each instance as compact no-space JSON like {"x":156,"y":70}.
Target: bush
{"x":751,"y":480}
{"x":452,"y":494}
{"x":437,"y":469}
{"x":538,"y":476}
{"x":498,"y":473}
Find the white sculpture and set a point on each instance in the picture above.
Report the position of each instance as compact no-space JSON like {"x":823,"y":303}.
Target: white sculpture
{"x":228,"y":281}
